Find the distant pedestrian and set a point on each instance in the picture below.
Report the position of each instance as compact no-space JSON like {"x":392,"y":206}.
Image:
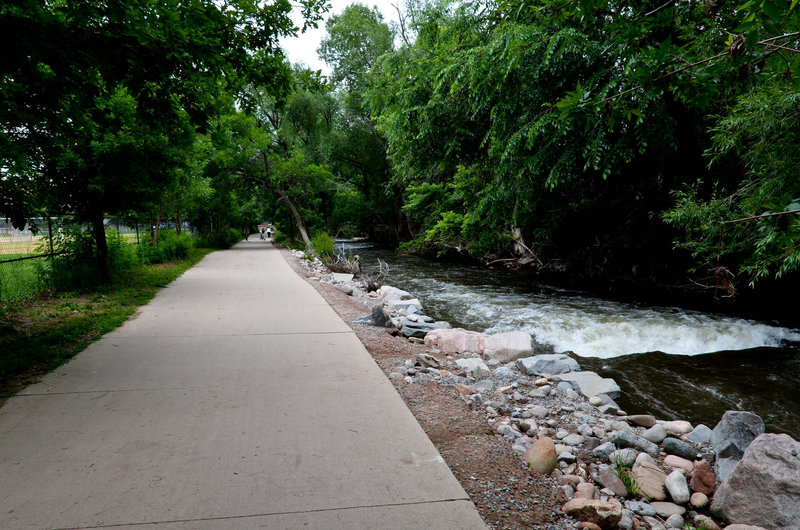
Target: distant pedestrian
{"x":262,"y":234}
{"x":246,"y":233}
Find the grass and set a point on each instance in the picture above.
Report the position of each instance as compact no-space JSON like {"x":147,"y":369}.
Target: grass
{"x":18,"y":278}
{"x":626,"y":476}
{"x":37,"y":335}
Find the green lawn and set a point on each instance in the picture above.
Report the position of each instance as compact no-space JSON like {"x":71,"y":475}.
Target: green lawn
{"x":39,"y":334}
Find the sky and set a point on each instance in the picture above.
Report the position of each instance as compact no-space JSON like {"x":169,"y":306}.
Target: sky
{"x":303,"y":48}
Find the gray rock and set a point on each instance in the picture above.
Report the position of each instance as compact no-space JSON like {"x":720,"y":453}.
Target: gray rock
{"x":655,"y":434}
{"x":673,"y":446}
{"x":640,"y":508}
{"x":420,"y":329}
{"x":346,"y":289}
{"x":674,"y":521}
{"x":764,"y":487}
{"x":700,"y":435}
{"x":623,"y":457}
{"x":677,"y":487}
{"x":734,"y":432}
{"x":573,"y":439}
{"x":564,"y":387}
{"x":590,"y":384}
{"x":473,"y":367}
{"x":507,"y":431}
{"x":567,"y":457}
{"x":625,"y":522}
{"x":627,"y":438}
{"x":539,"y":411}
{"x":604,"y":450}
{"x":548,"y":364}
{"x":642,"y":420}
{"x":484,"y":385}
{"x":504,"y":373}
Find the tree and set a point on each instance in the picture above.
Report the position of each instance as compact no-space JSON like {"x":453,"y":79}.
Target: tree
{"x":101,"y":98}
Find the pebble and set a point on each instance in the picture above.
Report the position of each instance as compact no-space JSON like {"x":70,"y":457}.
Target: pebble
{"x":656,"y":434}
{"x":677,"y":462}
{"x":698,"y":500}
{"x":595,"y":401}
{"x":674,"y":521}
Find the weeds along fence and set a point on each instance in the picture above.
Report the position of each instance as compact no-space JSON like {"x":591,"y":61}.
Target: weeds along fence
{"x":26,"y":254}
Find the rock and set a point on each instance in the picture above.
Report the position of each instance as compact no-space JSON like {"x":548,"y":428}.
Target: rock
{"x":743,"y":527}
{"x":567,"y":457}
{"x":506,"y":347}
{"x":626,"y":522}
{"x":764,"y":487}
{"x":586,"y":490}
{"x":504,"y":373}
{"x":586,"y":525}
{"x":653,"y":523}
{"x":473,"y":367}
{"x":650,"y":480}
{"x":705,"y":522}
{"x":455,"y":340}
{"x":572,"y":480}
{"x":464,"y":390}
{"x":703,"y":479}
{"x":539,"y":411}
{"x":482,"y":386}
{"x":674,"y":521}
{"x":420,"y":328}
{"x":677,"y":462}
{"x":678,"y":427}
{"x":380,"y":317}
{"x":346,"y":289}
{"x":548,"y":364}
{"x":389,"y":293}
{"x":673,"y":446}
{"x":729,"y":439}
{"x":698,"y":501}
{"x":604,"y":450}
{"x":573,"y":439}
{"x":507,"y":431}
{"x":700,"y":435}
{"x":590,"y":384}
{"x":644,"y":457}
{"x":430,"y":361}
{"x":642,"y":420}
{"x":569,"y":491}
{"x":655,"y":434}
{"x":405,"y":306}
{"x":627,"y":438}
{"x":592,"y":443}
{"x":608,"y":478}
{"x":595,"y":401}
{"x":563,"y":386}
{"x":623,"y":457}
{"x":677,"y":487}
{"x":641,"y":508}
{"x":665,"y":509}
{"x":605,"y":514}
{"x":541,"y":457}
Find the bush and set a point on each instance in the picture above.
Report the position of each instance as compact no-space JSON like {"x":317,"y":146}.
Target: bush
{"x":323,"y":244}
{"x":75,"y":269}
{"x":171,"y":246}
{"x":222,"y":240}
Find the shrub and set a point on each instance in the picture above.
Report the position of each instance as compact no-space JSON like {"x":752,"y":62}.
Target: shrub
{"x":171,"y":246}
{"x":224,"y":239}
{"x":75,"y":269}
{"x":323,"y":244}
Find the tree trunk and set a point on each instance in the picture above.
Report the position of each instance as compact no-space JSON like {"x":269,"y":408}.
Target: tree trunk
{"x":301,"y":227}
{"x":178,"y":221}
{"x":154,"y":241}
{"x":99,"y":233}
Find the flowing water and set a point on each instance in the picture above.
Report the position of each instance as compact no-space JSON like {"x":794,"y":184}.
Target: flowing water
{"x":671,"y":362}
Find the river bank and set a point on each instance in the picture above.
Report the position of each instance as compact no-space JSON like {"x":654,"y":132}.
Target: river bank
{"x":526,"y":412}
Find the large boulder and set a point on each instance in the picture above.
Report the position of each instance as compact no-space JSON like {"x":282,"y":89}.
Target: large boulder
{"x":764,"y":487}
{"x":507,"y":347}
{"x":548,"y":364}
{"x":605,"y":514}
{"x":541,"y":456}
{"x":590,"y":384}
{"x":406,"y":307}
{"x":729,"y":439}
{"x":455,"y":340}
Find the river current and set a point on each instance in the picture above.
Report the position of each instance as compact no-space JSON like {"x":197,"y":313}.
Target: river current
{"x":671,"y":362}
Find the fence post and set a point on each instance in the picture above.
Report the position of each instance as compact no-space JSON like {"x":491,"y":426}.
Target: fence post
{"x":50,"y":235}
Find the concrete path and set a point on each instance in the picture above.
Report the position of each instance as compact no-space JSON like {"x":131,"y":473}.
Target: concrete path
{"x":236,"y":399}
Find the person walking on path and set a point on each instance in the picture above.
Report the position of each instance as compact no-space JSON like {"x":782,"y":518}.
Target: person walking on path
{"x":246,"y":233}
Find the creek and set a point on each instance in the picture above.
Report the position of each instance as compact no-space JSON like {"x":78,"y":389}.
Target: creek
{"x":670,"y":362}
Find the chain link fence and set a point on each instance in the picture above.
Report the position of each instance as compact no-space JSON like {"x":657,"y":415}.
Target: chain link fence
{"x":26,"y":253}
